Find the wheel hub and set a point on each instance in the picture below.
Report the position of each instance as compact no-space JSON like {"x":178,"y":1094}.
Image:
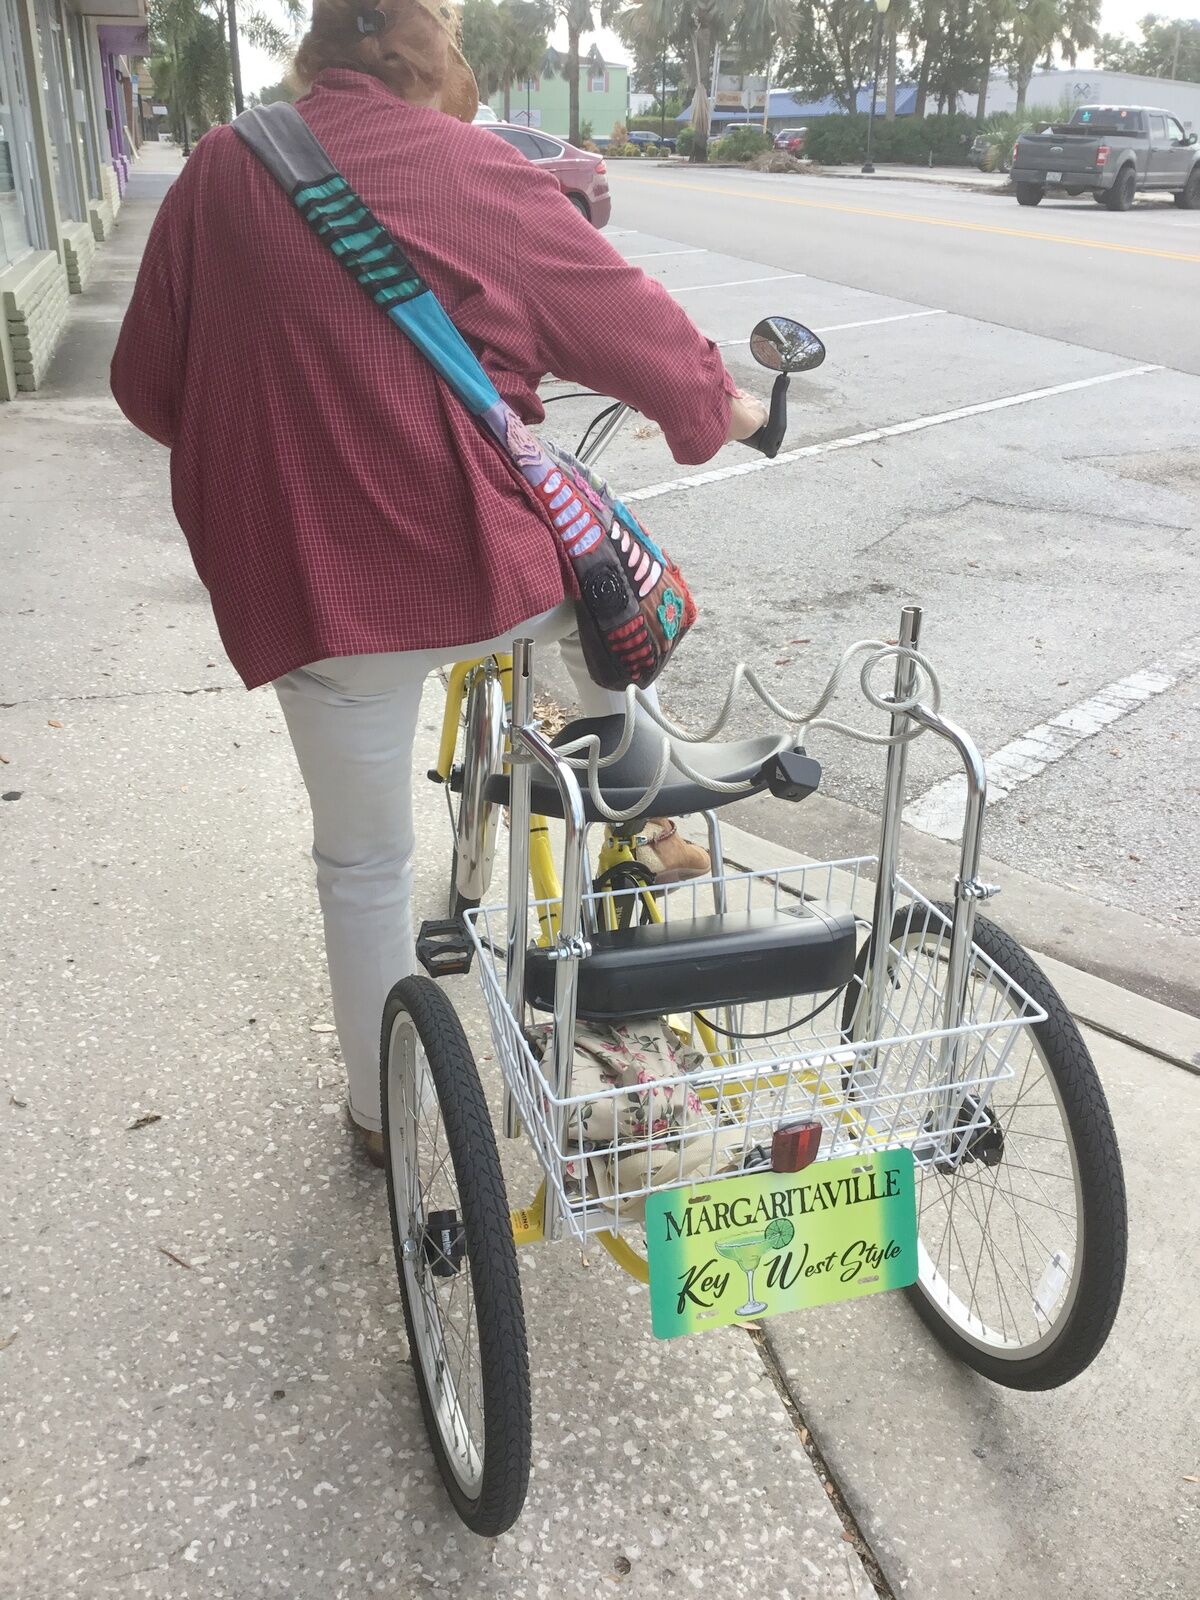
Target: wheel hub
{"x":444,"y":1243}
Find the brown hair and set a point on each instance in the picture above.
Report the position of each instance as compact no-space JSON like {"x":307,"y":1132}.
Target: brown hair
{"x":408,"y":54}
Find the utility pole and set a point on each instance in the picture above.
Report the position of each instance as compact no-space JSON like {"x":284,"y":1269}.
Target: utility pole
{"x":235,"y":64}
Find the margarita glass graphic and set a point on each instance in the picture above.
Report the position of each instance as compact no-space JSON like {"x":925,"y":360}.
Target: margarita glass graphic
{"x":747,"y":1253}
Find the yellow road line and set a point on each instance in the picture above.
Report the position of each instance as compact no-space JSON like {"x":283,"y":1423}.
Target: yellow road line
{"x":928,"y":222}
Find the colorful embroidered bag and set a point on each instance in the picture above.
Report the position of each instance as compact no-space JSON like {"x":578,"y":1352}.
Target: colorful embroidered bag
{"x":632,"y":604}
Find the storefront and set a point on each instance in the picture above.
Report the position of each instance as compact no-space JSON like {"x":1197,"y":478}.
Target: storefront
{"x":22,"y":225}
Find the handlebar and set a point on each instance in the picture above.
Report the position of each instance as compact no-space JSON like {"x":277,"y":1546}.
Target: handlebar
{"x":771,"y":435}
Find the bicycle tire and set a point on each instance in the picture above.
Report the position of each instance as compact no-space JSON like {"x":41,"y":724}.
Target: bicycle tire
{"x":488,"y":1257}
{"x":1102,"y":1241}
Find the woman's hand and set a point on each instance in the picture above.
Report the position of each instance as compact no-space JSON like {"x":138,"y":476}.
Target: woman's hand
{"x":746,"y":416}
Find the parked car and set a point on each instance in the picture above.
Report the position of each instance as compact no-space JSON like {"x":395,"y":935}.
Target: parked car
{"x":1110,"y":152}
{"x":581,"y":176}
{"x":737,"y":127}
{"x":791,"y":140}
{"x":486,"y":114}
{"x":652,"y":141}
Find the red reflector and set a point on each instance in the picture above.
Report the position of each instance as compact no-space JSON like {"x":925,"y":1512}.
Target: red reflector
{"x":600,"y":167}
{"x":1102,"y":155}
{"x":795,"y":1146}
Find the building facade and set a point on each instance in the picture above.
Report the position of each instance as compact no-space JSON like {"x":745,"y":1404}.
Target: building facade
{"x":1080,"y":87}
{"x":544,"y":102}
{"x":68,"y":132}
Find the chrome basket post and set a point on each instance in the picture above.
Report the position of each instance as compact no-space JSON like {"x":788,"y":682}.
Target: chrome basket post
{"x":884,"y":910}
{"x":520,"y":780}
{"x":571,"y":947}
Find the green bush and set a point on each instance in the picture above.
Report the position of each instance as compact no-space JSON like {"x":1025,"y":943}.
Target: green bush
{"x":632,"y":150}
{"x":620,"y":136}
{"x":837,"y":140}
{"x":585,"y":132}
{"x":740,"y":145}
{"x":685,"y":140}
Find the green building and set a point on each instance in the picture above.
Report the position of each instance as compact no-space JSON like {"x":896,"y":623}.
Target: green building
{"x":543,"y":102}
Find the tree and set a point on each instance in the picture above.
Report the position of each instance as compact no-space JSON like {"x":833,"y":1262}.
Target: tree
{"x":1038,"y":27}
{"x":195,"y":57}
{"x":523,"y":37}
{"x":762,"y":29}
{"x":1168,"y":48}
{"x":831,"y":52}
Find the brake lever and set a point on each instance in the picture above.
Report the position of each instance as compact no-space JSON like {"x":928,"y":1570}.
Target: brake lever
{"x":770,"y":436}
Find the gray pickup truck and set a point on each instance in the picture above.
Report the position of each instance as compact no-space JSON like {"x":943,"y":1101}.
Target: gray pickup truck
{"x":1109,"y":152}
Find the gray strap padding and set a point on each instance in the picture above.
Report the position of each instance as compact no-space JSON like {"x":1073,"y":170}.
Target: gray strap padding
{"x":285,"y":144}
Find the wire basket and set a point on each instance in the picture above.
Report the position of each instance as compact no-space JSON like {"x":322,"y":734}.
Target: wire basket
{"x":875,"y":1074}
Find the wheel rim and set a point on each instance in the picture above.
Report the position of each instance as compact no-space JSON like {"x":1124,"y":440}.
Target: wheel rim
{"x":445,"y":1330}
{"x":1000,"y":1247}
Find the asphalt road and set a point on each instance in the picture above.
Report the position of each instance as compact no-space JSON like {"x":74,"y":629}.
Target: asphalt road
{"x":1121,"y":282}
{"x":1033,"y":491}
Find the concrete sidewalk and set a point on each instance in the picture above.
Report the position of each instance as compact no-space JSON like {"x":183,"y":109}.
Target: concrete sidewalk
{"x":952,"y":177}
{"x":203,"y":1374}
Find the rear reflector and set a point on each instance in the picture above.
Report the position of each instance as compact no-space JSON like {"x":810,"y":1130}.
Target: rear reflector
{"x":1102,"y":156}
{"x":600,"y":167}
{"x":794,"y":1146}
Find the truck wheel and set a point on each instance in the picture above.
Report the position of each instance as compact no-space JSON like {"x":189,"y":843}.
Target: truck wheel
{"x":1189,"y":196}
{"x":1120,"y":196}
{"x":1029,"y":194}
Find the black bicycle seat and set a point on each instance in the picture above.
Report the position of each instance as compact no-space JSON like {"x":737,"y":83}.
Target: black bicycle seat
{"x":750,"y":761}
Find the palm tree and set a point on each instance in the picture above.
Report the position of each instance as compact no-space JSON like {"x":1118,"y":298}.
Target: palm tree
{"x":522,"y":39}
{"x":764,"y":28}
{"x":1038,"y":27}
{"x":580,"y":18}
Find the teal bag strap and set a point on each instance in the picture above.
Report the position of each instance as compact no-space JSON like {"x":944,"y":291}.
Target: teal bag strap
{"x":289,"y":149}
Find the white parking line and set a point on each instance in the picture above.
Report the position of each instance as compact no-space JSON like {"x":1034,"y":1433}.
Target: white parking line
{"x":841,"y":327}
{"x":739,"y":283}
{"x":742,"y":469}
{"x":652,"y":255}
{"x":939,"y":810}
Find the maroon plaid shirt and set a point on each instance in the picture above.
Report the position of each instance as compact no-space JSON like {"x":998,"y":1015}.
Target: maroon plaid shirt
{"x":337,"y":498}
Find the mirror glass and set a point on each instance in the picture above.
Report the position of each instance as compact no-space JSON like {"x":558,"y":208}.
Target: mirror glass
{"x":786,"y":346}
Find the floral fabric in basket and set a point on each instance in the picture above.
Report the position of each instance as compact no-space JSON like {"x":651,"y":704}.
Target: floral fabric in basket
{"x":656,"y":1132}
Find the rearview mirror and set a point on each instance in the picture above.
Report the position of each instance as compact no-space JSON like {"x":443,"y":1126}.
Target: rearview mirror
{"x":786,"y":346}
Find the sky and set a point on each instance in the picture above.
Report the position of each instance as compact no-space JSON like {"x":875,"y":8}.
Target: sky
{"x":1117,"y":16}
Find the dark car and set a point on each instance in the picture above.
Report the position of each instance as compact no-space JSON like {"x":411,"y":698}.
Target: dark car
{"x":581,"y":176}
{"x":791,"y":140}
{"x":652,"y":141}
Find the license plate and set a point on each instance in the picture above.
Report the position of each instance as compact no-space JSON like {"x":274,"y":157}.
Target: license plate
{"x":751,"y":1246}
{"x":1054,"y":177}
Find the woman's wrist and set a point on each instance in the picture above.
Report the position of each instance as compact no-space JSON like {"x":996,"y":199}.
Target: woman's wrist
{"x":747,"y":415}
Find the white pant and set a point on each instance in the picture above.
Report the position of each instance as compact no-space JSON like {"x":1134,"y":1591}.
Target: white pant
{"x":353,"y":720}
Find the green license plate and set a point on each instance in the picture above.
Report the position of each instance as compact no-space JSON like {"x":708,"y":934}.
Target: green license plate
{"x":737,"y":1249}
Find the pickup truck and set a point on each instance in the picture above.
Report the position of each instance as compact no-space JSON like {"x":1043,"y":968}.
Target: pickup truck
{"x":1111,"y":152}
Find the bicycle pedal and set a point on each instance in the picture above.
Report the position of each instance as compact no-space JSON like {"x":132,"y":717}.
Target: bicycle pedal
{"x":444,"y":948}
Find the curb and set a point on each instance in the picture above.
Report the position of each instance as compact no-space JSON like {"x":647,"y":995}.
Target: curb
{"x":1145,"y":1025}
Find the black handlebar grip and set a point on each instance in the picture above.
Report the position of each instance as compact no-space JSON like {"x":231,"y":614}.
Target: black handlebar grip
{"x":770,"y":436}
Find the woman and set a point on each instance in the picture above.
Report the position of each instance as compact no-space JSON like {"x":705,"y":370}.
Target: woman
{"x":353,"y":527}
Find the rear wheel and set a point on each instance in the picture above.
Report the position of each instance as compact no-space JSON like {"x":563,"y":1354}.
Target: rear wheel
{"x":581,"y":205}
{"x":1022,"y":1240}
{"x":1121,"y":196}
{"x":455,"y":1258}
{"x":1029,"y":194}
{"x":1189,"y":196}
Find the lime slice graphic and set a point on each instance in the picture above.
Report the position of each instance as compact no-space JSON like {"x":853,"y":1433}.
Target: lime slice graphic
{"x":779,"y":1233}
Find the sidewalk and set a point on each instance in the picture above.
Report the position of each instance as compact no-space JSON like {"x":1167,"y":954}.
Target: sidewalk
{"x":952,"y":177}
{"x":203,"y":1375}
